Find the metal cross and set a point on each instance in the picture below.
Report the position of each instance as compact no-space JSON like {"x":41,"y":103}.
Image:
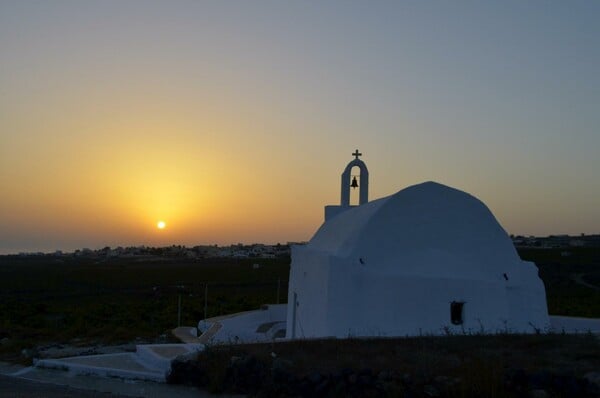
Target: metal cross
{"x":357,"y":154}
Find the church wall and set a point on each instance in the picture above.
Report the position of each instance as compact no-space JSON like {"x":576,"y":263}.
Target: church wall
{"x":309,"y":278}
{"x":527,"y":299}
{"x":387,"y":305}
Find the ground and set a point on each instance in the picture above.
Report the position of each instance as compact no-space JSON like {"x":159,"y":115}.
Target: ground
{"x":11,"y":387}
{"x":48,"y":302}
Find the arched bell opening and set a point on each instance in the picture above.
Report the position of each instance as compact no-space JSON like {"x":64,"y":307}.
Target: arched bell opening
{"x":355,"y":186}
{"x":356,"y":182}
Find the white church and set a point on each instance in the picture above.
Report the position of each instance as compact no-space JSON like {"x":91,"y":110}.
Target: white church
{"x":429,"y":259}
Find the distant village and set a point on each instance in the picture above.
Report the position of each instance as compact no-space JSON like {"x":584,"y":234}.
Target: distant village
{"x":557,"y":241}
{"x":258,"y":250}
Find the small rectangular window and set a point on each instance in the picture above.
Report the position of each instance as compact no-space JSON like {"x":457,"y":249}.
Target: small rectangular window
{"x":456,"y":312}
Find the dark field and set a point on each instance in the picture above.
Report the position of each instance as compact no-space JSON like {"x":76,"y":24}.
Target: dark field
{"x":83,"y":301}
{"x":90,"y":301}
{"x":572,"y":279}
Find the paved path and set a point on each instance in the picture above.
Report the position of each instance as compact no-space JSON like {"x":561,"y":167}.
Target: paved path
{"x":12,"y":387}
{"x":51,"y":383}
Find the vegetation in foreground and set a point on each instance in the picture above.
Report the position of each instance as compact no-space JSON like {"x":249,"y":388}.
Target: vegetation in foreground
{"x":454,"y":366}
{"x":83,"y":301}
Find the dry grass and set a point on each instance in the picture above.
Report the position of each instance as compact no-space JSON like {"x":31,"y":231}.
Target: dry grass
{"x":451,"y":355}
{"x":479,"y":364}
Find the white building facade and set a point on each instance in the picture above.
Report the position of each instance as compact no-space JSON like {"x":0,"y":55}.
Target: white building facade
{"x":429,"y":259}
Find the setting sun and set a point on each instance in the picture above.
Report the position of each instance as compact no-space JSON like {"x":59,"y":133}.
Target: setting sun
{"x":161,"y":225}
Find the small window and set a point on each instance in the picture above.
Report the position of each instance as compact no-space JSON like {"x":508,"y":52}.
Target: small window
{"x":456,"y":312}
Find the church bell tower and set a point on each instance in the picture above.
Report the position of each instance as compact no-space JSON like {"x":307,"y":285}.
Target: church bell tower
{"x":349,"y":181}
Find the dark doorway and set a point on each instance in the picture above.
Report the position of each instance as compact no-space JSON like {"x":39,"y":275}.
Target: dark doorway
{"x":456,"y":312}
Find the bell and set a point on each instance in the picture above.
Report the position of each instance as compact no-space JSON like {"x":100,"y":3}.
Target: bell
{"x":354,"y":183}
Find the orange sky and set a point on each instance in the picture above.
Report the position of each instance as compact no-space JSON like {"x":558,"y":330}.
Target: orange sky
{"x":232,"y":123}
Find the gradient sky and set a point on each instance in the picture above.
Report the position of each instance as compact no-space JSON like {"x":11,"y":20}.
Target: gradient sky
{"x":233,"y":120}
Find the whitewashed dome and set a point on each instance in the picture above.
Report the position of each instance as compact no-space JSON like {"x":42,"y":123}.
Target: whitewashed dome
{"x":428,"y":230}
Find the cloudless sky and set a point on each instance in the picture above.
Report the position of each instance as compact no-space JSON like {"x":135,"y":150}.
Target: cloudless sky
{"x":233,"y":120}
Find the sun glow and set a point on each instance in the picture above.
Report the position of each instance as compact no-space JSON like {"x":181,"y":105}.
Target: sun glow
{"x":161,"y":225}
